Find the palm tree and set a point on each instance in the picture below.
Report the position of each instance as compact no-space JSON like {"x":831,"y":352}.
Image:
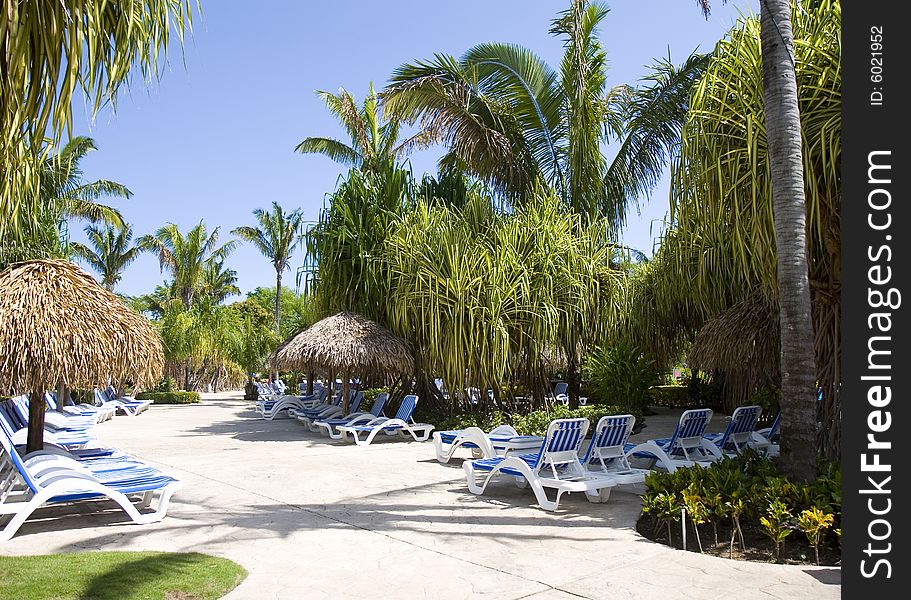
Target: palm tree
{"x":110,"y":252}
{"x":51,"y":51}
{"x":372,"y":143}
{"x":64,"y":195}
{"x":783,"y":135}
{"x":186,"y":258}
{"x":510,"y":119}
{"x":276,"y":238}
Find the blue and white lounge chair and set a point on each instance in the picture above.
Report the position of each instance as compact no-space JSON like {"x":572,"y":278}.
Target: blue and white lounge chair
{"x":99,"y":413}
{"x":766,"y":440}
{"x":125,"y":406}
{"x":54,"y":420}
{"x":308,"y":417}
{"x":28,"y":484}
{"x":16,"y":429}
{"x":607,"y":453}
{"x":738,"y":435}
{"x":282,"y":407}
{"x":503,"y":440}
{"x":556,"y":465}
{"x":399,"y":425}
{"x":328,"y":426}
{"x":685,"y":448}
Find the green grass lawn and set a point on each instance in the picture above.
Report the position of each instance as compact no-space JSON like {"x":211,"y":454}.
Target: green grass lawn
{"x":118,"y":576}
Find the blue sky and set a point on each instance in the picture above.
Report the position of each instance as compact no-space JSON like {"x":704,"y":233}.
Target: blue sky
{"x":214,"y":138}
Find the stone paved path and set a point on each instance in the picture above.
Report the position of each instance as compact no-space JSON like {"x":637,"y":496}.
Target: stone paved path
{"x":312,"y":518}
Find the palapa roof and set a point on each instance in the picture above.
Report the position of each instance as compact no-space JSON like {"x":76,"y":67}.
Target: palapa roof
{"x":58,"y":324}
{"x":346,"y":342}
{"x":741,"y":339}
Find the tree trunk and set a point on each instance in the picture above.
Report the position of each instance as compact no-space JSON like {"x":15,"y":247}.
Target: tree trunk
{"x":572,"y":380}
{"x":35,"y":439}
{"x":310,"y":382}
{"x":186,"y":376}
{"x":278,"y":302}
{"x":798,"y":360}
{"x":345,"y":388}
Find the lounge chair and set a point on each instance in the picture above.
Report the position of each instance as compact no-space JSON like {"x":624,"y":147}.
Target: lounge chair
{"x":499,"y":441}
{"x":28,"y":484}
{"x":685,"y":448}
{"x":280,"y":408}
{"x":607,"y":453}
{"x":738,"y":435}
{"x":766,"y":440}
{"x":16,"y":429}
{"x":125,"y":406}
{"x":99,"y":413}
{"x":55,"y":420}
{"x":356,"y":418}
{"x":399,"y":425}
{"x":308,"y":417}
{"x":556,"y":465}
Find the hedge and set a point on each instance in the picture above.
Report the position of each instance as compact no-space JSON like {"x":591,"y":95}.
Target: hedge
{"x":169,"y":397}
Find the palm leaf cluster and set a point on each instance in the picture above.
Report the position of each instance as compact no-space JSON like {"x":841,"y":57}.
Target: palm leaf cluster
{"x":51,"y":51}
{"x":721,"y":246}
{"x":512,"y":121}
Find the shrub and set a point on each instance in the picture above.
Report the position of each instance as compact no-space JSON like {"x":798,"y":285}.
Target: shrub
{"x":169,"y":397}
{"x":747,"y":489}
{"x":671,"y":396}
{"x":621,"y":375}
{"x":167,"y":384}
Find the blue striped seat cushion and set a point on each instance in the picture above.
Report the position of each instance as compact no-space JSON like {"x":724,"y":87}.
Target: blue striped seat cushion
{"x":371,"y":428}
{"x":129,"y":486}
{"x":489,"y":464}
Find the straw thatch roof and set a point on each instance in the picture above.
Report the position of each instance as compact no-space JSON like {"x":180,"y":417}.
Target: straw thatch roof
{"x":58,"y":325}
{"x":346,"y":342}
{"x":743,"y":343}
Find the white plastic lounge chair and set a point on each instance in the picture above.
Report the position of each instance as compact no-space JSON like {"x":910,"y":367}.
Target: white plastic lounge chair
{"x":51,"y":480}
{"x":556,"y":465}
{"x":337,"y":411}
{"x":766,"y":439}
{"x":738,"y":435}
{"x":124,"y":406}
{"x":328,"y":426}
{"x":55,"y":420}
{"x":503,"y":440}
{"x":606,"y":452}
{"x":99,"y":413}
{"x":685,"y":448}
{"x":399,"y":425}
{"x":281,"y":408}
{"x":17,"y":430}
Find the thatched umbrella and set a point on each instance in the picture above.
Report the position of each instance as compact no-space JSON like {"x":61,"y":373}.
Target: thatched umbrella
{"x":743,"y":343}
{"x":346,"y":343}
{"x":59,"y":326}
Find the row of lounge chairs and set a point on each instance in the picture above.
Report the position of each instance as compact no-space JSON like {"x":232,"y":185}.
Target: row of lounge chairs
{"x":560,"y":464}
{"x":327,"y":417}
{"x":73,"y":467}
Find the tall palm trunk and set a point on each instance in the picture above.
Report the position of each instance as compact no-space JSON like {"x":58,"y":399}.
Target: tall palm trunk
{"x":35,"y":438}
{"x":278,"y":298}
{"x":798,"y":363}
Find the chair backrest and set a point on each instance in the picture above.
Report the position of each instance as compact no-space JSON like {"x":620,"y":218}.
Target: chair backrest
{"x":50,"y":398}
{"x":355,"y":403}
{"x":19,"y":405}
{"x":8,"y":418}
{"x":561,"y":445}
{"x":100,"y":397}
{"x":740,"y":427}
{"x":474,"y":395}
{"x":379,"y":404}
{"x":607,"y":445}
{"x":406,"y":409}
{"x":775,"y":428}
{"x":690,"y":429}
{"x":560,"y":388}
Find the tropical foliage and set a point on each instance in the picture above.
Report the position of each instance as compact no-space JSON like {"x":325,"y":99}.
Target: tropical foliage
{"x":511,"y":120}
{"x":109,"y":252}
{"x":276,"y":237}
{"x":720,"y":249}
{"x":51,"y":52}
{"x":62,"y":196}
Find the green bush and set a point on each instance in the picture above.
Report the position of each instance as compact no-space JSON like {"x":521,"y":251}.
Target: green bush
{"x":169,"y":397}
{"x":747,"y":489}
{"x":621,"y":375}
{"x":167,"y":384}
{"x":671,"y":396}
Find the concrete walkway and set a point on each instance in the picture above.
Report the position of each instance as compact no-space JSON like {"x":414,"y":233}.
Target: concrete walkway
{"x":312,"y":518}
